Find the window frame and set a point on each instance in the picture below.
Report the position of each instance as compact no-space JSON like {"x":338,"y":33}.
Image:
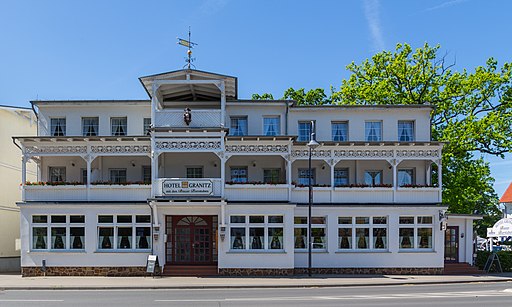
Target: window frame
{"x":60,"y":121}
{"x":96,"y":127}
{"x":238,"y":131}
{"x":302,"y":137}
{"x":115,"y":225}
{"x":272,"y":176}
{"x":146,"y":126}
{"x":413,"y":130}
{"x":301,"y":176}
{"x":195,"y":168}
{"x":50,"y":173}
{"x":341,"y":169}
{"x":277,"y":125}
{"x":110,"y":170}
{"x":376,"y":138}
{"x":49,"y":225}
{"x":304,"y":226}
{"x":346,"y":137}
{"x":416,"y":226}
{"x":123,"y":125}
{"x":374,"y":184}
{"x":371,"y":226}
{"x":236,"y":179}
{"x":247,"y":225}
{"x":413,"y":176}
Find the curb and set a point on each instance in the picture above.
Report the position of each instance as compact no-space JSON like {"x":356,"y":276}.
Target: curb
{"x":251,"y":286}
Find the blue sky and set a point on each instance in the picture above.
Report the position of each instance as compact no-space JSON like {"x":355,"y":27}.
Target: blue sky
{"x":97,"y":49}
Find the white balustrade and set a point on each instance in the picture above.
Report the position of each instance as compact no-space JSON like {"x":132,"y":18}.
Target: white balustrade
{"x":256,"y":192}
{"x":200,"y":118}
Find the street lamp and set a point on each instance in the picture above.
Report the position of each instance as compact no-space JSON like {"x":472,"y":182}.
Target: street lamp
{"x":311,"y":145}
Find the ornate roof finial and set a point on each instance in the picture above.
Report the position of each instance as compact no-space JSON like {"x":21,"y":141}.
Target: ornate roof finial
{"x":189,"y":44}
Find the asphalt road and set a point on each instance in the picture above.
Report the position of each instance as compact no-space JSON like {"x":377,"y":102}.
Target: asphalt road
{"x":481,"y":294}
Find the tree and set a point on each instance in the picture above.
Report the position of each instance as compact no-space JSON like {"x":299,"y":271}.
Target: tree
{"x":264,"y":96}
{"x":312,"y":97}
{"x":472,"y":113}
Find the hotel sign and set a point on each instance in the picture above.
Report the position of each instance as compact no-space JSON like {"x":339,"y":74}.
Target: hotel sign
{"x":502,"y":228}
{"x":187,"y":187}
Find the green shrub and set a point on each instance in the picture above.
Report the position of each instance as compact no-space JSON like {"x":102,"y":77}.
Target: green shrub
{"x":505,"y":259}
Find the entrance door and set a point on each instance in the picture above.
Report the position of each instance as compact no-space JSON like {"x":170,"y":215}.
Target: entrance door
{"x":451,"y":244}
{"x":191,"y":240}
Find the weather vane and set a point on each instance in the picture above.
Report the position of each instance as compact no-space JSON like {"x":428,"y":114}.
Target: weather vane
{"x":189,"y":44}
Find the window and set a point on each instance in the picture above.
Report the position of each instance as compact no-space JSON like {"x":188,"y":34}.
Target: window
{"x":65,"y":232}
{"x":415,"y":232}
{"x":339,"y":131}
{"x":362,"y":232}
{"x":318,"y":232}
{"x":373,"y":178}
{"x":90,"y":126}
{"x":126,"y":233}
{"x":118,"y":175}
{"x":118,"y":125}
{"x":304,"y":176}
{"x":405,"y":177}
{"x":272,"y":175}
{"x":239,"y":174}
{"x":58,"y":126}
{"x":146,"y":126}
{"x":195,"y":172}
{"x":57,"y":173}
{"x":264,"y":232}
{"x":304,"y":131}
{"x":146,"y":174}
{"x":271,"y":125}
{"x":341,"y":177}
{"x":238,"y":125}
{"x":83,"y":175}
{"x":405,"y":131}
{"x":373,"y":131}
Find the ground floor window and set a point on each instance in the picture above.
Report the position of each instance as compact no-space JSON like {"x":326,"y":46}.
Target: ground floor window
{"x":415,"y":232}
{"x":318,"y":232}
{"x":256,"y":232}
{"x":58,"y":232}
{"x":362,"y":232}
{"x":124,"y":232}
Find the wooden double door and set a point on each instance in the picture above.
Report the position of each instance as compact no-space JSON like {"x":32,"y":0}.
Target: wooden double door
{"x":190,"y":240}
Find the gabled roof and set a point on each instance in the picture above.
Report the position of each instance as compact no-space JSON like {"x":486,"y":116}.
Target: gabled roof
{"x":191,"y":91}
{"x":507,"y":196}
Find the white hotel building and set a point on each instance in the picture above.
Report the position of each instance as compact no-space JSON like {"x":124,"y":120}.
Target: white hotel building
{"x":222,"y":188}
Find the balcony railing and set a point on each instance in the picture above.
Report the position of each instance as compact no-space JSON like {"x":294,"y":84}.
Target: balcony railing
{"x":200,"y":119}
{"x":256,"y":192}
{"x":131,"y":192}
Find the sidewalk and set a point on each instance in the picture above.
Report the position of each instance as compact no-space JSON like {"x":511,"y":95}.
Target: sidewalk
{"x":16,"y":282}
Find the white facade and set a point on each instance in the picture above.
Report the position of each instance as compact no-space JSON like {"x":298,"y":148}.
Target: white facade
{"x":236,"y":173}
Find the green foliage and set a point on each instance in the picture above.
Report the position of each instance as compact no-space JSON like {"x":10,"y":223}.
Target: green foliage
{"x":312,"y":97}
{"x":264,"y":96}
{"x":472,"y":113}
{"x":505,"y":260}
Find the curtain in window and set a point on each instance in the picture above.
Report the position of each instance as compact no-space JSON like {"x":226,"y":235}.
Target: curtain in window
{"x":118,"y":126}
{"x":373,"y":131}
{"x":58,"y":126}
{"x":304,"y":132}
{"x":239,"y":126}
{"x":405,"y":177}
{"x":339,"y":132}
{"x":405,"y":131}
{"x":270,"y":126}
{"x":90,"y":127}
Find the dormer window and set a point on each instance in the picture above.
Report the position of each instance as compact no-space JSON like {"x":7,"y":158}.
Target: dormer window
{"x":58,"y":126}
{"x":118,"y":125}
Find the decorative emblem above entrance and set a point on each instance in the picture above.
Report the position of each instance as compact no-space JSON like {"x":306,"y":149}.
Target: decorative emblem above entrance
{"x":177,"y":187}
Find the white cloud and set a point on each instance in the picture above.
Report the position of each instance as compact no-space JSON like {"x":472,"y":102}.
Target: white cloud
{"x":445,"y":4}
{"x":372,"y":14}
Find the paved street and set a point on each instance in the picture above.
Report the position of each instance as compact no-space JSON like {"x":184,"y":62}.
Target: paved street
{"x":482,"y":294}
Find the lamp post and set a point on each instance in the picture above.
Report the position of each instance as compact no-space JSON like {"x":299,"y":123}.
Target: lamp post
{"x":311,"y":145}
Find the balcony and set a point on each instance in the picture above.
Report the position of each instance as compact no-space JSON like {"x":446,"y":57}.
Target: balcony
{"x":129,"y":192}
{"x":200,"y":119}
{"x":256,"y":192}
